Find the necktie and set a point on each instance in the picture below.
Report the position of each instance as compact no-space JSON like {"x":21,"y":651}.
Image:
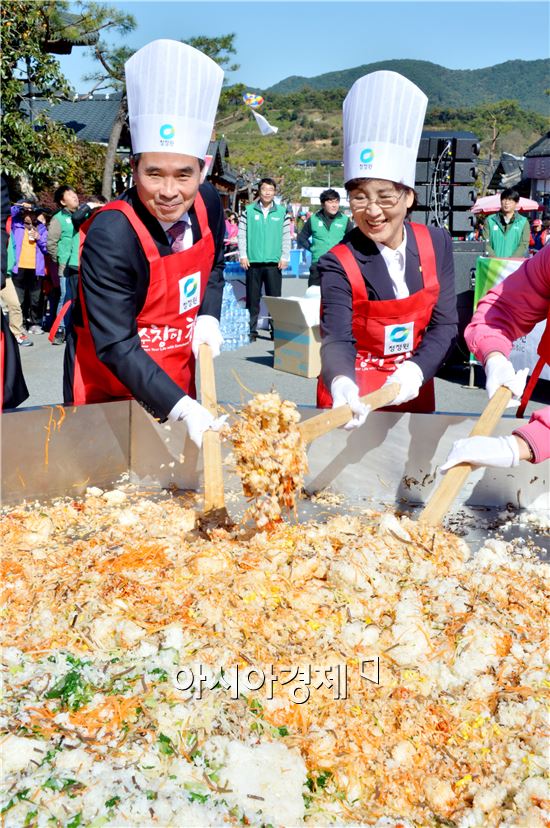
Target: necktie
{"x":177,"y":234}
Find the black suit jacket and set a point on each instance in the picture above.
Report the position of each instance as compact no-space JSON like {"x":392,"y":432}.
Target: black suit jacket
{"x":115,"y":281}
{"x":338,"y":350}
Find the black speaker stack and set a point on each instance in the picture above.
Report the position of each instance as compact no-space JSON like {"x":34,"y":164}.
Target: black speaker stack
{"x":445,"y":181}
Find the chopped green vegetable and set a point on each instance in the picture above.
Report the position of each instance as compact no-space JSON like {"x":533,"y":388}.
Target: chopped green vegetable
{"x":19,"y":797}
{"x":197,"y":797}
{"x":112,"y":803}
{"x":165,"y":745}
{"x":72,"y":690}
{"x":61,"y":784}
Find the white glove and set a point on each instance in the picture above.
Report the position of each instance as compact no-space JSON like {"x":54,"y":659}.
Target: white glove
{"x":345,"y":392}
{"x":500,"y":371}
{"x":207,"y":332}
{"x":410,"y":377}
{"x":500,"y":452}
{"x":196,"y":418}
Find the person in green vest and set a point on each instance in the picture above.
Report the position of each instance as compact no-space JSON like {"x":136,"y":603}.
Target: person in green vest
{"x":264,"y":248}
{"x":507,"y":233}
{"x":325,"y":228}
{"x":63,"y":247}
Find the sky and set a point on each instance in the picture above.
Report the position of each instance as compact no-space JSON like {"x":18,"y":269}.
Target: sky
{"x":310,"y":37}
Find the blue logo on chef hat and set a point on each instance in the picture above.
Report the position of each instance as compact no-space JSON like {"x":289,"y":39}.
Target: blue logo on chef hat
{"x":367,"y":156}
{"x":167,"y":132}
{"x":399,"y":333}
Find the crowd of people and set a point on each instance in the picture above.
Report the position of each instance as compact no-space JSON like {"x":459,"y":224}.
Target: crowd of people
{"x":137,"y":290}
{"x":42,"y":263}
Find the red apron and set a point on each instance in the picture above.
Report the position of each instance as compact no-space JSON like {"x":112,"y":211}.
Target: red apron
{"x":165,"y":323}
{"x":544,"y":359}
{"x":387,"y":331}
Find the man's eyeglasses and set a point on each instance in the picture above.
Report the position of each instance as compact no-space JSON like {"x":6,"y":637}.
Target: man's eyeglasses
{"x":385,"y":202}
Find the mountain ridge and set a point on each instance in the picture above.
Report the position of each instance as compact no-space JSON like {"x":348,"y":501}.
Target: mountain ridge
{"x":521,"y":80}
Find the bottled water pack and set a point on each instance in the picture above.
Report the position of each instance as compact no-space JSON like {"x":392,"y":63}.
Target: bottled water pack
{"x":234,"y":322}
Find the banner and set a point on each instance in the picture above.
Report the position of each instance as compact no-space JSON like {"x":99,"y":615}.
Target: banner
{"x":490,"y":272}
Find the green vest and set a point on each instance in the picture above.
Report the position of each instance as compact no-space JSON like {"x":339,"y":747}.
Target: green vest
{"x":67,"y":247}
{"x":264,"y":235}
{"x":505,"y":243}
{"x":323,"y":237}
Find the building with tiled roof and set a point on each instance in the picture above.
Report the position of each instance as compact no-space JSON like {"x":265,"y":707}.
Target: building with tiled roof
{"x":537,"y":168}
{"x":91,"y":118}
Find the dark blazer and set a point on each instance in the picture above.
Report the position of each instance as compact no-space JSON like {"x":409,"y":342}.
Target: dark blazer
{"x":338,"y":350}
{"x":115,"y":280}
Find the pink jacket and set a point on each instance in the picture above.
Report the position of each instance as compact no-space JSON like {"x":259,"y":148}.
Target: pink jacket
{"x":505,"y":313}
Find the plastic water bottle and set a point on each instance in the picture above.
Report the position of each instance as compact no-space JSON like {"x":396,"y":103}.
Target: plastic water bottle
{"x":235,"y":319}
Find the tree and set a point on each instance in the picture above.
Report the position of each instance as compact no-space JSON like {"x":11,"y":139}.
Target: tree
{"x":33,"y":145}
{"x":29,"y":76}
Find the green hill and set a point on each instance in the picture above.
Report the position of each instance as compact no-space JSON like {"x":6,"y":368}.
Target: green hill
{"x":521,"y":80}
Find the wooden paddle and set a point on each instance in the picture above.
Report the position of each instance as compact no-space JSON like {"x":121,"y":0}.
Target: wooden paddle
{"x":449,"y":487}
{"x":335,"y":417}
{"x":215,"y":511}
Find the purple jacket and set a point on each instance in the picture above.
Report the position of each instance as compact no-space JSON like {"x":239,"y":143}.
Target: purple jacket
{"x":16,"y":240}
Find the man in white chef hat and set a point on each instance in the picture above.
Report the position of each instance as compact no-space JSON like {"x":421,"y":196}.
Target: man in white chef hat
{"x":152,"y":261}
{"x":388,"y":296}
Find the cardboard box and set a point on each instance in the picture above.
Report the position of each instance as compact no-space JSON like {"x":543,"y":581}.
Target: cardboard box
{"x":296,"y":334}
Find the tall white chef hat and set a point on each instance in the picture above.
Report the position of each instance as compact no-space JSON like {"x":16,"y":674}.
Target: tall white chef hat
{"x":173,"y":92}
{"x":383,"y":119}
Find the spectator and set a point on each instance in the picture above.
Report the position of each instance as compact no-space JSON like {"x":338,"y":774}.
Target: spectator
{"x":8,"y":294}
{"x":50,"y":282}
{"x":9,"y":297}
{"x":63,"y":244}
{"x":301,"y":218}
{"x":325,"y":229}
{"x":13,"y":389}
{"x":231,"y":235}
{"x":264,"y":248}
{"x":506,"y":232}
{"x":538,"y":238}
{"x":84,"y":212}
{"x":291,"y":227}
{"x":477,"y":233}
{"x":26,"y":262}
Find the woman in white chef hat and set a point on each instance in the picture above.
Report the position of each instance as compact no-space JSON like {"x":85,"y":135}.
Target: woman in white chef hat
{"x":387,"y":291}
{"x":152,"y":261}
